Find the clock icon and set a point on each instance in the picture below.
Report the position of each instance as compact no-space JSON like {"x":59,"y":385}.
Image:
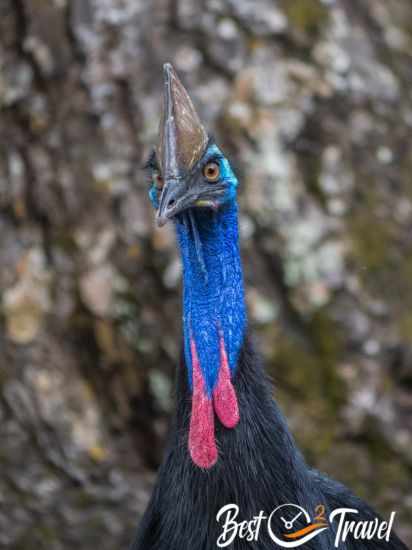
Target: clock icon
{"x":289,"y":514}
{"x":290,"y":525}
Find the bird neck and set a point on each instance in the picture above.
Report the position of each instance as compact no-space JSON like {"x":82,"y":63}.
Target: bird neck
{"x":214,"y":312}
{"x":214,"y":322}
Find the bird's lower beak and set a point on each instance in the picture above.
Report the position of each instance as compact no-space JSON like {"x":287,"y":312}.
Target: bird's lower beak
{"x":178,"y":196}
{"x":175,"y":199}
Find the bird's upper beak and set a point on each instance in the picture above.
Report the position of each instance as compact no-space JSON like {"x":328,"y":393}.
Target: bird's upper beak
{"x":182,"y":142}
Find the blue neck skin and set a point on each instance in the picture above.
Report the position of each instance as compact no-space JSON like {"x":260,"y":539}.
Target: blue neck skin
{"x":213,"y":295}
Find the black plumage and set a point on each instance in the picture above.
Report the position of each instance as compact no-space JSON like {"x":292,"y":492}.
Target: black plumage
{"x":259,"y":468}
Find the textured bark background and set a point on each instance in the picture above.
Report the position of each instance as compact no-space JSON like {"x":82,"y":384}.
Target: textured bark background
{"x":312,"y":101}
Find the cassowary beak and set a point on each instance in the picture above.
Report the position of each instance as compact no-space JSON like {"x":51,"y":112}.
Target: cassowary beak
{"x":182,"y":142}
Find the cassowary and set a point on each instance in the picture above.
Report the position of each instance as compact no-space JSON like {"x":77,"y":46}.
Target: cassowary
{"x":229,"y":443}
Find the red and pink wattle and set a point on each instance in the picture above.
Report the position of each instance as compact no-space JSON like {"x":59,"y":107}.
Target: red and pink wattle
{"x":202,"y":441}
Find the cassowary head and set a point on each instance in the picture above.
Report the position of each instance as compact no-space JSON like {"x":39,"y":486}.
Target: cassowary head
{"x":188,"y":170}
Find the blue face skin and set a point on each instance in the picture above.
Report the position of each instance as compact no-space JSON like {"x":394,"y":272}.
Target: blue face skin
{"x":213,"y":294}
{"x":227,"y":177}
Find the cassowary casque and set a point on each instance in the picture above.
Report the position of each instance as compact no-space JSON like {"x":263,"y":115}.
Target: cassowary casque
{"x":229,"y":443}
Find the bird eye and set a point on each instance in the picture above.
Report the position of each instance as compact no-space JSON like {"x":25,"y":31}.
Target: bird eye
{"x":158,"y":181}
{"x":211,"y":171}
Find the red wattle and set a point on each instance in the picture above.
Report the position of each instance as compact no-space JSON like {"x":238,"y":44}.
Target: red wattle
{"x":224,"y":395}
{"x":202,"y":444}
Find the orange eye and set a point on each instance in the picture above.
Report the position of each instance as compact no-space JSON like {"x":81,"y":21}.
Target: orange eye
{"x":158,"y":180}
{"x":211,"y":171}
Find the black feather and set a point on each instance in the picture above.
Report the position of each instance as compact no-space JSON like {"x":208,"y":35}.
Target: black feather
{"x":259,"y":468}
